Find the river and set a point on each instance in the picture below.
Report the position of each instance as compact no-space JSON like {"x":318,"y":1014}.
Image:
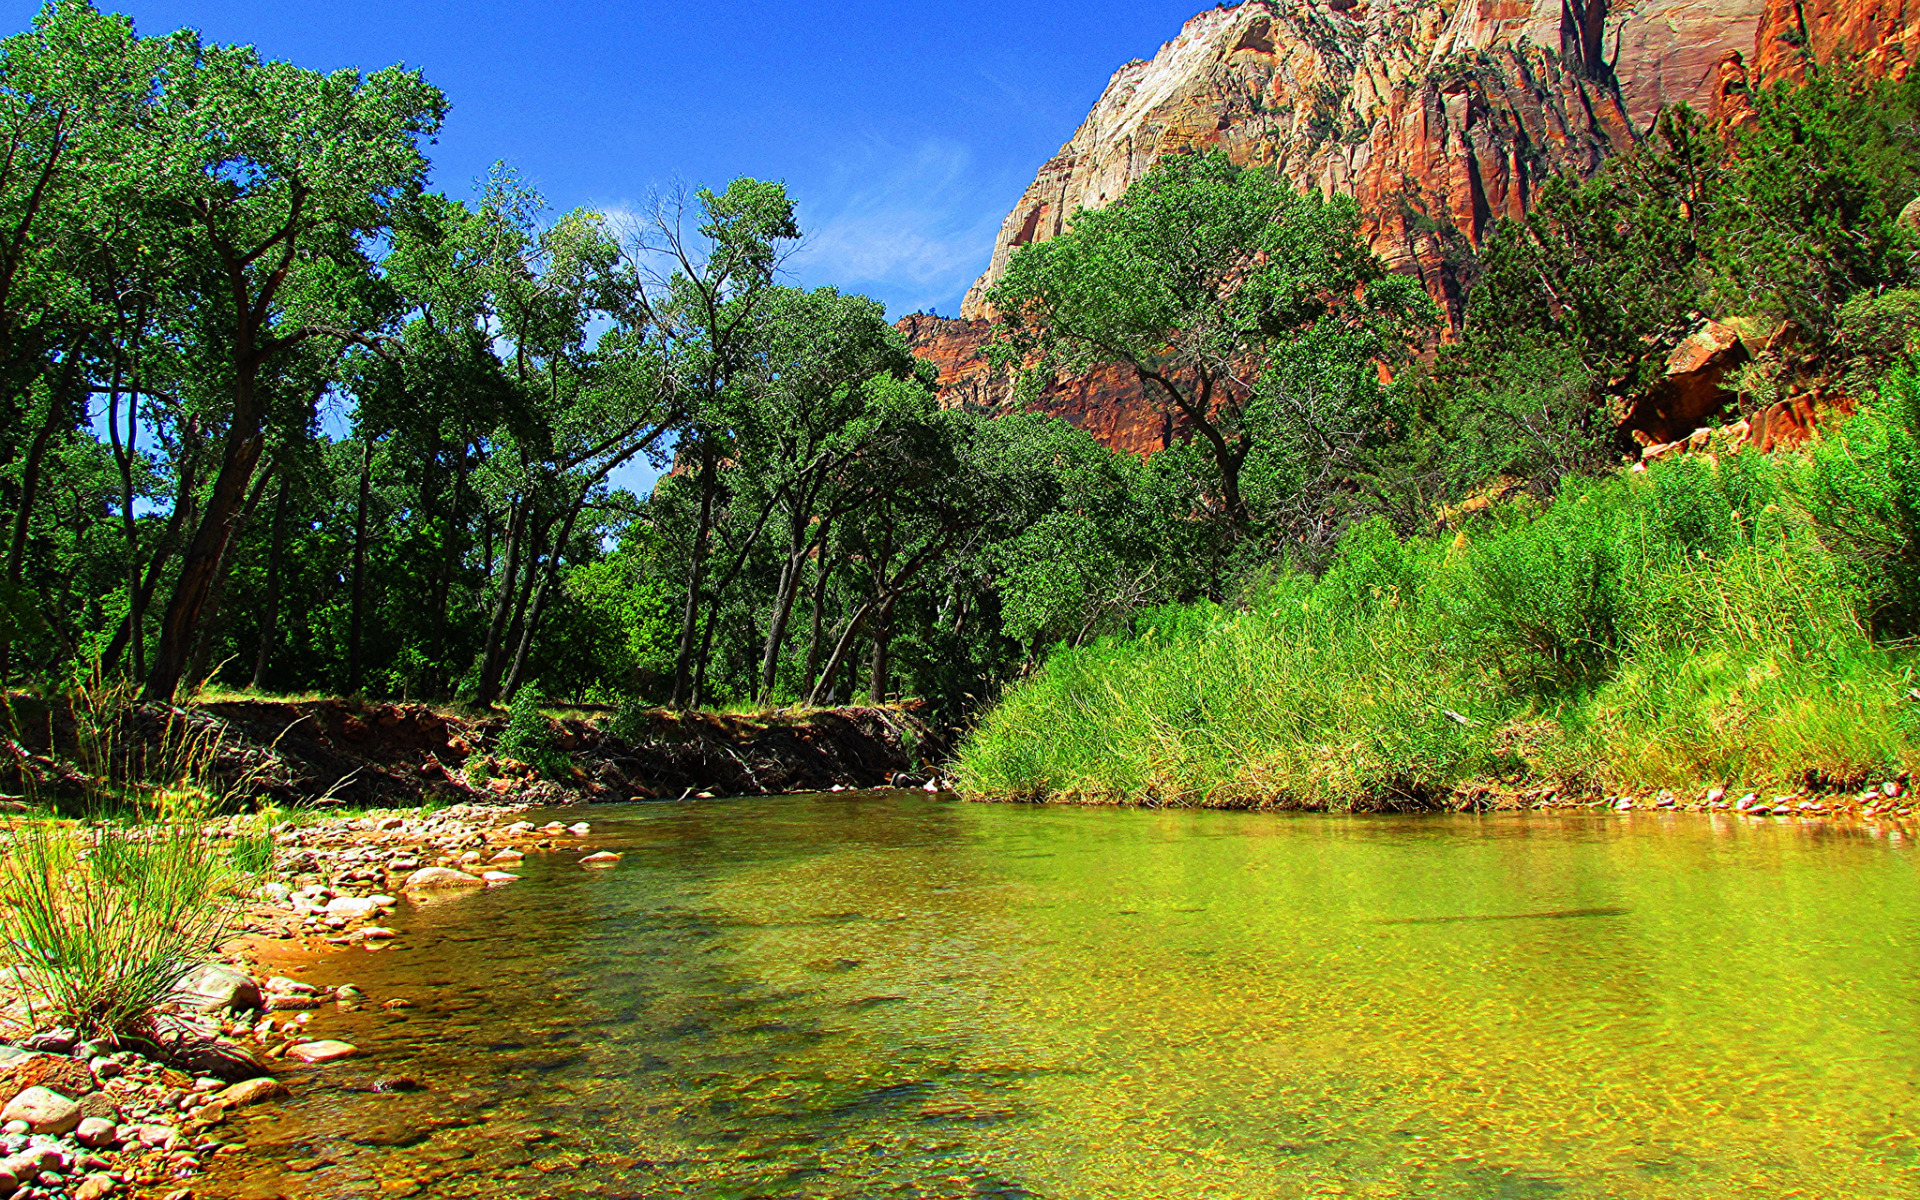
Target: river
{"x":880,"y":994}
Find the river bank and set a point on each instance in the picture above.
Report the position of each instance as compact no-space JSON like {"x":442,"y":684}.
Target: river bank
{"x":364,"y":754}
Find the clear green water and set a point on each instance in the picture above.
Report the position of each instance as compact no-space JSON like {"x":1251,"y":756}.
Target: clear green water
{"x":878,"y":995}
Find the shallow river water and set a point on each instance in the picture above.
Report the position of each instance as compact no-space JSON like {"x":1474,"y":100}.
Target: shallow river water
{"x":884,"y":994}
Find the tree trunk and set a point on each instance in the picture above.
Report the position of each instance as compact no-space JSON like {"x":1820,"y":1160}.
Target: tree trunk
{"x":245,"y":443}
{"x":449,"y":562}
{"x":276,"y":552}
{"x":164,"y":546}
{"x":540,"y":599}
{"x":357,"y":622}
{"x":881,"y":630}
{"x":123,"y":455}
{"x":822,"y":575}
{"x":840,"y":651}
{"x":200,"y":662}
{"x":502,"y":605}
{"x":690,"y":615}
{"x":30,"y":481}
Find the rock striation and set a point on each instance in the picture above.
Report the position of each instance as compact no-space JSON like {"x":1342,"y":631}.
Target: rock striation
{"x":1439,"y":117}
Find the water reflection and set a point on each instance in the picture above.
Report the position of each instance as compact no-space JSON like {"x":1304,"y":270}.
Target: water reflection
{"x":864,"y":995}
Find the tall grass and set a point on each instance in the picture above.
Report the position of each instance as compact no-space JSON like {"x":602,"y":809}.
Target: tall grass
{"x":1743,"y":621}
{"x":102,"y":917}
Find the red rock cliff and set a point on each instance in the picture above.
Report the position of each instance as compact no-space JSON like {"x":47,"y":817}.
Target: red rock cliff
{"x":1439,"y":117}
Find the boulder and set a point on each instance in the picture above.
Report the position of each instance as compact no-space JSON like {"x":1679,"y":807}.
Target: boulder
{"x":67,"y":1076}
{"x":211,"y":987}
{"x":1692,"y":390}
{"x":441,"y":877}
{"x":44,"y":1111}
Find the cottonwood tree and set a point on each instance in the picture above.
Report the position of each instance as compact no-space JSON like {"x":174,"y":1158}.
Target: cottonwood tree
{"x":279,"y":178}
{"x":702,"y":270}
{"x":1200,"y":279}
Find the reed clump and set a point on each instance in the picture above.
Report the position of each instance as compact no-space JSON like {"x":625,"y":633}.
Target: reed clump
{"x":102,"y":916}
{"x":1742,"y":620}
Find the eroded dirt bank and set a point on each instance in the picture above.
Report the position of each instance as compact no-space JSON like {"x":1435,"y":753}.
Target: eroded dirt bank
{"x":366,"y":754}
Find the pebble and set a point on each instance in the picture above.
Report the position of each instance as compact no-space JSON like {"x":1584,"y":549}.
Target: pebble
{"x":97,"y":1133}
{"x":252,"y":1091}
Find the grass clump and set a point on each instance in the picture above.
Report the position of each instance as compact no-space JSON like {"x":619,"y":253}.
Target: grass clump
{"x":1741,"y":621}
{"x":102,"y":916}
{"x":102,"y":921}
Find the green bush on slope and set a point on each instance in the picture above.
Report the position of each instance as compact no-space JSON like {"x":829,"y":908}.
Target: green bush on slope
{"x":1743,"y":621}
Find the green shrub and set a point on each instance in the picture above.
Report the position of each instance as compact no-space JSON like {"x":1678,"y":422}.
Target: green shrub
{"x":1697,"y":623}
{"x":528,"y":737}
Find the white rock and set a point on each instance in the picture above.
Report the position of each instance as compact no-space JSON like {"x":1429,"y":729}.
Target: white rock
{"x":43,"y":1111}
{"x":441,"y":877}
{"x":324,"y":1051}
{"x":97,"y":1132}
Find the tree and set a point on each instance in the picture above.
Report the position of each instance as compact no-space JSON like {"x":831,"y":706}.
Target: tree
{"x":1200,"y":278}
{"x":283,"y":177}
{"x":698,"y":293}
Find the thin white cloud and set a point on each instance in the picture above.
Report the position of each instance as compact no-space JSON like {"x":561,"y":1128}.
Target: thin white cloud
{"x":913,"y":226}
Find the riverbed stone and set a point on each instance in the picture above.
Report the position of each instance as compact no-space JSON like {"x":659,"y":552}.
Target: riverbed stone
{"x":442,"y":877}
{"x":226,"y":1061}
{"x":96,"y":1187}
{"x":323,"y":1051}
{"x":602,"y":858}
{"x":498,"y":877}
{"x":352,"y":907}
{"x":44,"y":1111}
{"x":252,"y":1091}
{"x":96,"y":1132}
{"x":210,"y":987}
{"x":67,"y":1076}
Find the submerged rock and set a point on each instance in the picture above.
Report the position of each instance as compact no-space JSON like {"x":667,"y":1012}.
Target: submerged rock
{"x":324,"y":1051}
{"x":442,"y":877}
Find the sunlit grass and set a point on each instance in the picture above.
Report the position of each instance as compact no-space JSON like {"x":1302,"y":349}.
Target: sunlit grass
{"x":1701,"y":624}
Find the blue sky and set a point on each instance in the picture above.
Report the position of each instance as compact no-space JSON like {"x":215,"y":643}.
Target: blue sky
{"x":905,"y":132}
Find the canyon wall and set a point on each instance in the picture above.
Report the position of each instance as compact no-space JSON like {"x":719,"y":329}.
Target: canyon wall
{"x":1439,"y":117}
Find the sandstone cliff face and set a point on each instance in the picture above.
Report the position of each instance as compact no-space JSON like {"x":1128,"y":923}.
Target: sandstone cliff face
{"x":1439,"y":117}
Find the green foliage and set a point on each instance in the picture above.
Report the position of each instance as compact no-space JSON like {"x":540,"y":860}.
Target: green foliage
{"x":528,"y":737}
{"x":1686,"y":626}
{"x":1202,"y":277}
{"x":1877,"y":330}
{"x":103,"y":921}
